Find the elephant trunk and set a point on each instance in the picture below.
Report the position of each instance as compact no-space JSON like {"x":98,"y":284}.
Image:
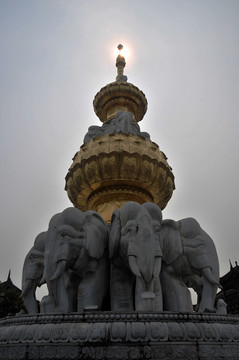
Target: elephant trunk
{"x":144,"y":297}
{"x":59,"y":269}
{"x":43,"y":280}
{"x":146,"y":253}
{"x":141,"y":253}
{"x":207,"y":272}
{"x":26,"y":287}
{"x":61,"y":259}
{"x":157,"y":266}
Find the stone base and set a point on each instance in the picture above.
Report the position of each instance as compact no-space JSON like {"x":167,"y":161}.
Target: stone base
{"x":120,"y":336}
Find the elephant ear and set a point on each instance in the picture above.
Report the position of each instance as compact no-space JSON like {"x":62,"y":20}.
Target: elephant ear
{"x":172,"y":241}
{"x":34,"y":256}
{"x":115,"y":231}
{"x":96,"y":234}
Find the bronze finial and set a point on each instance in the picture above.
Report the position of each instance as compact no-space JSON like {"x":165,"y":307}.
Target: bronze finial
{"x":120,"y":64}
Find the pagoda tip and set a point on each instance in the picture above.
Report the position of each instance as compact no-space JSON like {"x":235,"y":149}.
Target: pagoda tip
{"x":120,"y":64}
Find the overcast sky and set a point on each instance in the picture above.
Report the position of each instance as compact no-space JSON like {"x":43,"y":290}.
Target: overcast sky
{"x":56,"y":55}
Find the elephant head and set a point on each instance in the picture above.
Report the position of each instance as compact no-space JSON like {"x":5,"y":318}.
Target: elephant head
{"x":135,"y":253}
{"x":32,"y":273}
{"x":75,"y":257}
{"x":188,"y":253}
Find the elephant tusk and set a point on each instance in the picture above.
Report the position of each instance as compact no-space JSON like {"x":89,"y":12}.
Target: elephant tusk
{"x":207,"y":272}
{"x":59,"y":269}
{"x":43,"y":280}
{"x":133,"y":265}
{"x":27,"y":287}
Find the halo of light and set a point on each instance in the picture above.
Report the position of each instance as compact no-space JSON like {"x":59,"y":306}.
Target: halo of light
{"x":125,"y":52}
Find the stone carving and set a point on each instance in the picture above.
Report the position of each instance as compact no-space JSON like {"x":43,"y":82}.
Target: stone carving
{"x":120,"y":336}
{"x":135,"y":259}
{"x":122,"y":123}
{"x":221,"y":307}
{"x":152,"y":263}
{"x":188,"y":251}
{"x":76,"y":261}
{"x":32,"y":273}
{"x":80,"y":257}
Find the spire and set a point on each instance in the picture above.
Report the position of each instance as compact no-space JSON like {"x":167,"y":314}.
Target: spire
{"x":120,"y":95}
{"x":9,"y":275}
{"x":120,"y":64}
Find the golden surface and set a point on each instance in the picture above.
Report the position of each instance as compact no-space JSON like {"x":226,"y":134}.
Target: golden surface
{"x":111,"y":170}
{"x":120,"y":96}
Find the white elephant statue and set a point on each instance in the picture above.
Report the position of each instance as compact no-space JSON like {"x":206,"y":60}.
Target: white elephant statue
{"x":189,"y":256}
{"x":32,"y":273}
{"x":135,"y":256}
{"x":76,"y":261}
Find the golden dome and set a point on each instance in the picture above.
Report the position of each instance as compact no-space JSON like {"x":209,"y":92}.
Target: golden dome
{"x":111,"y":170}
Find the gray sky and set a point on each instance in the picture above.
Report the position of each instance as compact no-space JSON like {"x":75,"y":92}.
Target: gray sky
{"x":56,"y":55}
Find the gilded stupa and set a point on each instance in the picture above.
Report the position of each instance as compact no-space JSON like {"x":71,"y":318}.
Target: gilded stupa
{"x":117,"y":162}
{"x":120,"y":292}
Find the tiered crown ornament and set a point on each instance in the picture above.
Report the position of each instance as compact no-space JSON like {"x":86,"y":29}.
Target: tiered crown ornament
{"x":117,"y":162}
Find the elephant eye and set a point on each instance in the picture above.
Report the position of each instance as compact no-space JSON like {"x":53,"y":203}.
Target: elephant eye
{"x":156,"y":228}
{"x":64,"y":234}
{"x":131,"y":228}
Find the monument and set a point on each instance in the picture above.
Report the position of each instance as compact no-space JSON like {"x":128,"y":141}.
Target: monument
{"x":117,"y":273}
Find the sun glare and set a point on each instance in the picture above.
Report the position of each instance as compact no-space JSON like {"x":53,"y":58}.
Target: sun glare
{"x":124,"y":52}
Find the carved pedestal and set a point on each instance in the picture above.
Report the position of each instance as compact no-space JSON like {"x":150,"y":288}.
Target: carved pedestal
{"x":120,"y":336}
